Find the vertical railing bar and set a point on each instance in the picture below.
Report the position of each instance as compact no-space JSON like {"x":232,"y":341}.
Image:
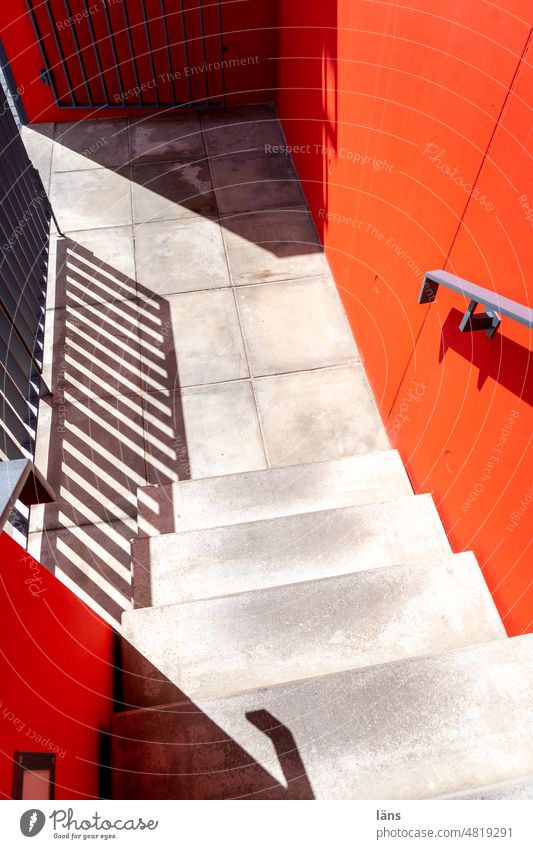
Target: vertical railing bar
{"x":15,"y":425}
{"x":169,"y":52}
{"x":12,"y":293}
{"x":204,"y":52}
{"x":25,"y":332}
{"x":44,"y":54}
{"x":26,"y":266}
{"x":17,"y":399}
{"x":124,"y":7}
{"x":99,"y":65}
{"x":79,"y":53}
{"x":29,"y":271}
{"x":14,"y":144}
{"x":14,"y":451}
{"x":15,"y":288}
{"x":13,"y":181}
{"x":186,"y":49}
{"x":221,"y":41}
{"x":114,"y":49}
{"x":17,"y":349}
{"x":150,"y":52}
{"x":9,"y":386}
{"x":59,"y":47}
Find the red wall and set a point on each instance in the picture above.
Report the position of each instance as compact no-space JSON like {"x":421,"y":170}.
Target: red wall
{"x":249,"y":32}
{"x":56,"y":662}
{"x":412,"y":122}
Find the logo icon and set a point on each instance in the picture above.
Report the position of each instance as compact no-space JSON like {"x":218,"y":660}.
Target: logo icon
{"x":32,"y":822}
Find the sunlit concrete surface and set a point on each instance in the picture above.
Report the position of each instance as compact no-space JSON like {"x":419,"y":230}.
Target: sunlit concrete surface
{"x":193,"y":328}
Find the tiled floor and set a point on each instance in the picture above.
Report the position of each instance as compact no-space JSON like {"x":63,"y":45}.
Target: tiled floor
{"x":193,"y":328}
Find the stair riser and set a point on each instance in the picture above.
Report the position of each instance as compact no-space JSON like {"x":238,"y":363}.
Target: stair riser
{"x":425,"y":727}
{"x":268,"y":494}
{"x":200,"y":564}
{"x":214,"y":648}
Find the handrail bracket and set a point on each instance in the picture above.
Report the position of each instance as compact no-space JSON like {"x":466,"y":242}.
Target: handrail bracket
{"x":489,"y":321}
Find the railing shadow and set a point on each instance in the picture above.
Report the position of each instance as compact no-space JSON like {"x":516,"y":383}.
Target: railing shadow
{"x":175,"y":749}
{"x":115,"y":422}
{"x":500,"y":358}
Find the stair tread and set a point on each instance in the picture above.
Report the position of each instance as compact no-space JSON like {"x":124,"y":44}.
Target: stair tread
{"x":244,"y":641}
{"x":173,"y":568}
{"x":520,"y":788}
{"x":422,"y":727}
{"x":268,"y":493}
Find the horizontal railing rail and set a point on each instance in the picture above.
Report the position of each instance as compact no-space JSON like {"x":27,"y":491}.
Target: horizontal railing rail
{"x":21,"y":481}
{"x":495,"y":305}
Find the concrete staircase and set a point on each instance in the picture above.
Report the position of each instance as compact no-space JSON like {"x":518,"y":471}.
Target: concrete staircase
{"x":306,"y":632}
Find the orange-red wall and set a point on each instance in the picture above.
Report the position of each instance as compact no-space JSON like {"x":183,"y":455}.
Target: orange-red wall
{"x":249,"y":32}
{"x":56,"y":674}
{"x":411,"y":125}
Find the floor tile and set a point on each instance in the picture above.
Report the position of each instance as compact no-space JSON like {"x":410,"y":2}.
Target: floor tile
{"x":254,"y":180}
{"x":39,"y":142}
{"x":90,"y":199}
{"x":93,"y":455}
{"x":93,"y":561}
{"x":92,"y":266}
{"x":180,"y":256}
{"x":216,"y":432}
{"x":241,"y":128}
{"x":318,"y":415}
{"x":96,"y":349}
{"x":203,"y":342}
{"x":272,"y":245}
{"x":80,"y":145}
{"x":294,"y":325}
{"x":166,"y":139}
{"x":171,"y":191}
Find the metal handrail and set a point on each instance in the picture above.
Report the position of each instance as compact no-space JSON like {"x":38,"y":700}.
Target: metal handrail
{"x":21,"y":481}
{"x":495,"y":304}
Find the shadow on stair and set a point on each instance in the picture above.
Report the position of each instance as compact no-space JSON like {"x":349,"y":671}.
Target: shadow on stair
{"x":172,"y":749}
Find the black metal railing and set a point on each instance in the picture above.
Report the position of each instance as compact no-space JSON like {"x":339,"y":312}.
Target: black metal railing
{"x":25,"y":215}
{"x":495,"y":305}
{"x":131,"y":53}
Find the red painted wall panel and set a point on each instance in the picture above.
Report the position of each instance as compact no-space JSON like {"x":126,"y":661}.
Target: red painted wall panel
{"x":470,"y":440}
{"x":391,"y":109}
{"x":56,"y":661}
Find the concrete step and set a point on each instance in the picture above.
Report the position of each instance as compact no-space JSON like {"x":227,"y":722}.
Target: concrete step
{"x":521,"y":788}
{"x":174,"y":568}
{"x":423,"y":727}
{"x":242,"y":642}
{"x":266,"y":494}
